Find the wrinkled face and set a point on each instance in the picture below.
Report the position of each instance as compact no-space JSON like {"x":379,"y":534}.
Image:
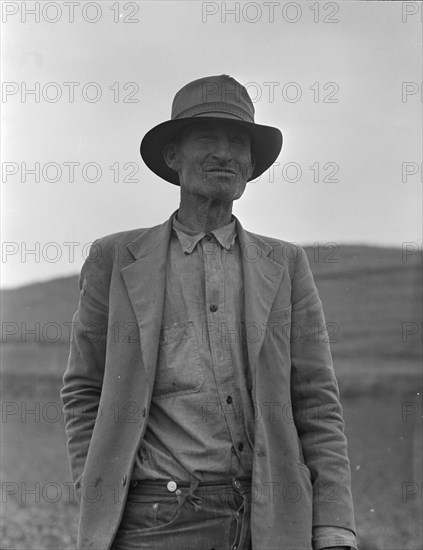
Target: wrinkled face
{"x":213,"y":159}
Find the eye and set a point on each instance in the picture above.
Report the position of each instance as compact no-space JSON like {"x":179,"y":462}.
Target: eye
{"x":241,"y":140}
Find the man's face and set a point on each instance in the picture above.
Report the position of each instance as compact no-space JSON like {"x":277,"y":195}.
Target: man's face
{"x":213,"y":159}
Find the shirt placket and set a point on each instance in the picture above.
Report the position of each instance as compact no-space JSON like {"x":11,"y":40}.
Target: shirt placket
{"x":223,"y":367}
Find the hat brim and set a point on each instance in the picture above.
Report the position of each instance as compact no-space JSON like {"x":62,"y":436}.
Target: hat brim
{"x":266,"y":144}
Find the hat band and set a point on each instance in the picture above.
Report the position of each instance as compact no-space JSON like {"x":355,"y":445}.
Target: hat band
{"x":217,"y":107}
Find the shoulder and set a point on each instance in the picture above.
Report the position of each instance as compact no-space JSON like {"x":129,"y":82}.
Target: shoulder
{"x":289,"y":254}
{"x":292,"y":257}
{"x":117,"y":248}
{"x":121,"y":238}
{"x":107,"y":254}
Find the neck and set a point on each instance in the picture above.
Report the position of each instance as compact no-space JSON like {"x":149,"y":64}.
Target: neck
{"x":203,"y":214}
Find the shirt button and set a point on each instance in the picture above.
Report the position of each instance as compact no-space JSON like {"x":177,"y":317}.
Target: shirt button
{"x":229,"y":399}
{"x":240,"y":446}
{"x":208,"y":237}
{"x":213,"y":308}
{"x":171,"y":486}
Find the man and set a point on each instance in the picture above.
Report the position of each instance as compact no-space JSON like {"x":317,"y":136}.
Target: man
{"x":201,"y":410}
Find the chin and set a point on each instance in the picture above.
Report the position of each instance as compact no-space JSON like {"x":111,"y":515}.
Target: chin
{"x":225,"y":194}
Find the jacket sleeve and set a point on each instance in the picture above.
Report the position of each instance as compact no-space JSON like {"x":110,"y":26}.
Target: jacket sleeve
{"x":82,"y":381}
{"x":316,"y":407}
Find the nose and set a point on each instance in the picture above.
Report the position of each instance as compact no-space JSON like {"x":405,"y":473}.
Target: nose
{"x":222,"y":150}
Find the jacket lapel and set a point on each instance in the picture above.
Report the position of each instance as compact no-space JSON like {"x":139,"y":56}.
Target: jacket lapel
{"x":262,"y":278}
{"x":145,"y":281}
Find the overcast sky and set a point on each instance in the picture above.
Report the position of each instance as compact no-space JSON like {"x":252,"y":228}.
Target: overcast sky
{"x":341,"y":80}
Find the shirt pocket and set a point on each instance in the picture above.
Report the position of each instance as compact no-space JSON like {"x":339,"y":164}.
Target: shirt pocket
{"x":179,"y":369}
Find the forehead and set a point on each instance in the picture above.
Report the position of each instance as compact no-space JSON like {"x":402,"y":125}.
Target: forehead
{"x":213,"y":126}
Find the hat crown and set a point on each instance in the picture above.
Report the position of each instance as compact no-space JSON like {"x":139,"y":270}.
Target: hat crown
{"x":213,"y":96}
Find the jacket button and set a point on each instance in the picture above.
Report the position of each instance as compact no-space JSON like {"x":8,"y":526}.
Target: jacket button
{"x":124,"y":480}
{"x":213,"y":308}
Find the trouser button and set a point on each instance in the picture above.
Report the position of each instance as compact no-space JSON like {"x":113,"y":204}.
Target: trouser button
{"x":171,"y":486}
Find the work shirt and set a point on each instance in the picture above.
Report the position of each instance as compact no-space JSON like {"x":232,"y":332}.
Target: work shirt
{"x":201,"y":420}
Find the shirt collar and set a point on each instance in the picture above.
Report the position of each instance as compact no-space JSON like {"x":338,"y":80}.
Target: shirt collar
{"x":189,"y":238}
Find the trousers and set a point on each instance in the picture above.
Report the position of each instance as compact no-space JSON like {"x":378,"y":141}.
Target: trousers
{"x":181,"y":516}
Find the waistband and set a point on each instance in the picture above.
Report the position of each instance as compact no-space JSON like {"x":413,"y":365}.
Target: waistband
{"x":165,"y":487}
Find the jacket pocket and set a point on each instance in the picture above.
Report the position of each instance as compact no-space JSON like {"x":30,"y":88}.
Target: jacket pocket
{"x":284,"y":313}
{"x":179,"y":369}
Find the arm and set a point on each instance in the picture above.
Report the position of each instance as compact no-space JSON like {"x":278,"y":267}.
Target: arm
{"x":83,"y":379}
{"x":316,"y":407}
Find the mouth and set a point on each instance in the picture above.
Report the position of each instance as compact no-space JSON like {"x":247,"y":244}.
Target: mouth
{"x":221,"y":171}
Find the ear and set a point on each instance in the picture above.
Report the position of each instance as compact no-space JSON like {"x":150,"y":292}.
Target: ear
{"x":171,"y":157}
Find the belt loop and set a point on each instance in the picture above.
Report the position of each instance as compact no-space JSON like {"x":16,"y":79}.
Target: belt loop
{"x":193,"y":485}
{"x":196,"y":500}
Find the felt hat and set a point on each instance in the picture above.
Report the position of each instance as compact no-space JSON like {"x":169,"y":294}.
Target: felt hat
{"x":211,"y":98}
